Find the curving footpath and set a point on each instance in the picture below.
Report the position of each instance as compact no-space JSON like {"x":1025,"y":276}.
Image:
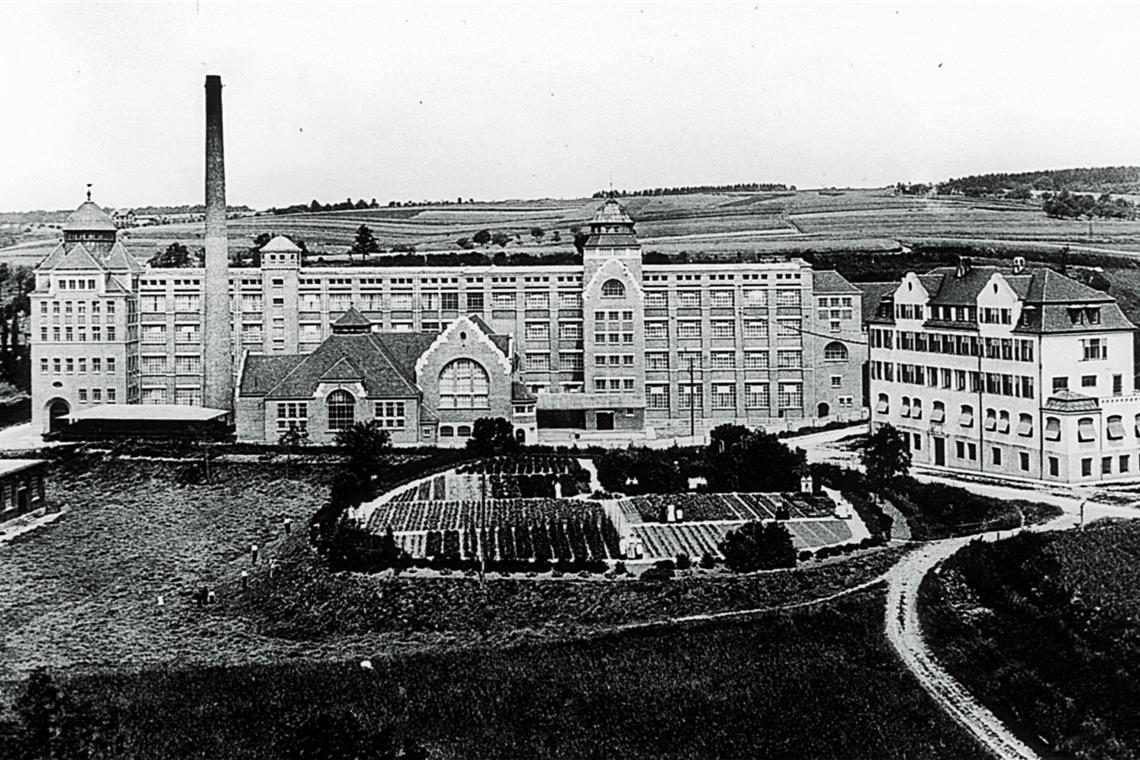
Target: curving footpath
{"x":905,"y":635}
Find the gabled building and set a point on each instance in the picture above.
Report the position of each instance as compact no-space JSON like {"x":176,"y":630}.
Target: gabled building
{"x":424,"y":388}
{"x":1012,"y":372}
{"x":84,"y":321}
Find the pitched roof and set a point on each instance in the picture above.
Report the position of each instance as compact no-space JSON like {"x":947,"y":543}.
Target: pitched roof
{"x":261,"y":372}
{"x":89,"y":218}
{"x":1053,"y":287}
{"x":1067,"y":401}
{"x":407,"y":347}
{"x":352,"y":318}
{"x":54,"y":257}
{"x":371,"y":365}
{"x":830,"y":281}
{"x":502,"y":342}
{"x":120,"y":259}
{"x":1060,"y":318}
{"x":280,"y":244}
{"x":519,"y":392}
{"x":873,"y":294}
{"x":611,"y":212}
{"x":78,"y":258}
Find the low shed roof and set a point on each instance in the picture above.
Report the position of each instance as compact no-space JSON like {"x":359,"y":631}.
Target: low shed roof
{"x":149,"y":412}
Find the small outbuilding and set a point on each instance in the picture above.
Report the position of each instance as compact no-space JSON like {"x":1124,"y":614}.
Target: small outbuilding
{"x":21,"y":487}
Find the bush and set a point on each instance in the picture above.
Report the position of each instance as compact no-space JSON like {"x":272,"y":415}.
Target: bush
{"x":708,"y":561}
{"x":683,"y":562}
{"x":758,"y":546}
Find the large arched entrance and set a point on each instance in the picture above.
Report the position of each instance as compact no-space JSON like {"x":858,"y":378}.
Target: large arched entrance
{"x":57,"y":415}
{"x":823,"y":409}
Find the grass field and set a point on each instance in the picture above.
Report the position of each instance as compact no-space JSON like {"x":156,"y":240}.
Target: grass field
{"x":816,"y":683}
{"x":1045,"y":630}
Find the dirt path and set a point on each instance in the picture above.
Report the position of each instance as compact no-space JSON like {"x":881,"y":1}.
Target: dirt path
{"x":905,"y":634}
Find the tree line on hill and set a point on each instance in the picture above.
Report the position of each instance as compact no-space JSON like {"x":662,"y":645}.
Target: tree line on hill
{"x":652,"y":192}
{"x":1100,"y":179}
{"x":315,"y":206}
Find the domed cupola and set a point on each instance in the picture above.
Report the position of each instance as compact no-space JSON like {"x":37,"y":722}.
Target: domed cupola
{"x":91,"y":226}
{"x":611,"y":227}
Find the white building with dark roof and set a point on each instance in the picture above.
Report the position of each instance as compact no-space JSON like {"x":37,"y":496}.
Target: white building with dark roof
{"x":1014,"y":372}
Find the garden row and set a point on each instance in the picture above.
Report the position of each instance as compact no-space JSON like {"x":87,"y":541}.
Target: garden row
{"x":696,"y":540}
{"x":556,"y":464}
{"x":732,"y":506}
{"x":454,"y":515}
{"x":576,"y":539}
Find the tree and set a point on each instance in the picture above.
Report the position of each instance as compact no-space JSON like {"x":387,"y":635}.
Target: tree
{"x":537,"y":233}
{"x":501,"y":239}
{"x":176,"y":256}
{"x":365,"y":447}
{"x":580,"y":239}
{"x":482,"y":237}
{"x":465,"y":243}
{"x":758,"y":546}
{"x":491,"y":435}
{"x":734,"y":453}
{"x":364,"y":244}
{"x":51,"y":724}
{"x":885,"y":455}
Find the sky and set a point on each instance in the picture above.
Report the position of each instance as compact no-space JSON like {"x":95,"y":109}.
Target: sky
{"x":534,"y":100}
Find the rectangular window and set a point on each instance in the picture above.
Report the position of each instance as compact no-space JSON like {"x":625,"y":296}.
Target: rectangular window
{"x":570,"y":331}
{"x":110,"y":395}
{"x":689,"y":396}
{"x":786,"y":359}
{"x":83,"y":394}
{"x":154,"y":365}
{"x":153,"y":334}
{"x":537,"y":332}
{"x":1054,"y":468}
{"x":449,"y":301}
{"x":995,"y":453}
{"x":187,"y":365}
{"x":724,"y":396}
{"x":756,"y":360}
{"x":503,"y":301}
{"x":1088,"y":381}
{"x":756,"y":298}
{"x":96,"y":364}
{"x":656,"y":360}
{"x":787,"y":298}
{"x":1106,"y":466}
{"x":1060,"y":384}
{"x":657,"y":396}
{"x":390,"y":414}
{"x":1124,"y":463}
{"x":723,"y":329}
{"x":1024,"y":461}
{"x":186,"y":303}
{"x":756,"y":395}
{"x":538,"y":362}
{"x":756,"y":328}
{"x":791,"y":394}
{"x":110,"y":364}
{"x":723,"y":360}
{"x":721,"y":299}
{"x":688,"y":329}
{"x":188,"y":396}
{"x":689,"y":299}
{"x":474,"y":302}
{"x":1086,"y":467}
{"x":539,"y":301}
{"x":570,"y":361}
{"x":183,"y":333}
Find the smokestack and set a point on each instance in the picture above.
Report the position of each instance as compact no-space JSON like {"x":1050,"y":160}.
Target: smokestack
{"x":218,"y":363}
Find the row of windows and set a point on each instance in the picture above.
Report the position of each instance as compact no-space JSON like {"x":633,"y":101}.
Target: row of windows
{"x":70,"y":334}
{"x":74,"y":365}
{"x":1009,"y":349}
{"x":96,"y":395}
{"x":341,"y":413}
{"x":79,"y":308}
{"x":996,"y":383}
{"x":723,"y":396}
{"x":183,"y":365}
{"x":751,"y":328}
{"x":182,"y":333}
{"x":723,"y":298}
{"x":182,"y":396}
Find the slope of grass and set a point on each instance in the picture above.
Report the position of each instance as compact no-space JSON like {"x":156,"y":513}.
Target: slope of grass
{"x":1045,"y":629}
{"x":817,"y":683}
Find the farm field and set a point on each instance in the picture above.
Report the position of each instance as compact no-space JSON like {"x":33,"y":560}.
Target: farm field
{"x":1043,"y":629}
{"x":812,"y":683}
{"x":723,"y":224}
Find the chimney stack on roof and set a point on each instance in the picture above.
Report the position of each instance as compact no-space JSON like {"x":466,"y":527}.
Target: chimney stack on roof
{"x":963,"y":267}
{"x":1018,"y":264}
{"x":219,"y":380}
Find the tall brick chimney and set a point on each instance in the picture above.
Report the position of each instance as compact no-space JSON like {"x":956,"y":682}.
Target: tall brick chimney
{"x":218,"y":364}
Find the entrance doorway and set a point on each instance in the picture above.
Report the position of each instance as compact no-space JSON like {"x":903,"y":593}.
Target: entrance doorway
{"x":605,"y":420}
{"x":823,"y":409}
{"x":57,"y":415}
{"x":939,"y":452}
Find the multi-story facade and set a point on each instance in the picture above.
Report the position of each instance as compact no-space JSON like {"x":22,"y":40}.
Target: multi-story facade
{"x":1012,"y":372}
{"x":612,"y":348}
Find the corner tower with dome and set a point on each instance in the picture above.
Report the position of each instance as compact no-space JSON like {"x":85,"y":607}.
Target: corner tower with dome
{"x":84,"y":321}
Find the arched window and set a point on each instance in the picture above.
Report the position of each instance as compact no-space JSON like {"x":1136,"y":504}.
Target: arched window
{"x":835,"y":352}
{"x":342,"y":410}
{"x":463,"y":431}
{"x":1052,"y":429}
{"x":463,"y":384}
{"x":613,"y":289}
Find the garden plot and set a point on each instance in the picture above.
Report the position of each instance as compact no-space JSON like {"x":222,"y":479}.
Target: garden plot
{"x":667,"y":540}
